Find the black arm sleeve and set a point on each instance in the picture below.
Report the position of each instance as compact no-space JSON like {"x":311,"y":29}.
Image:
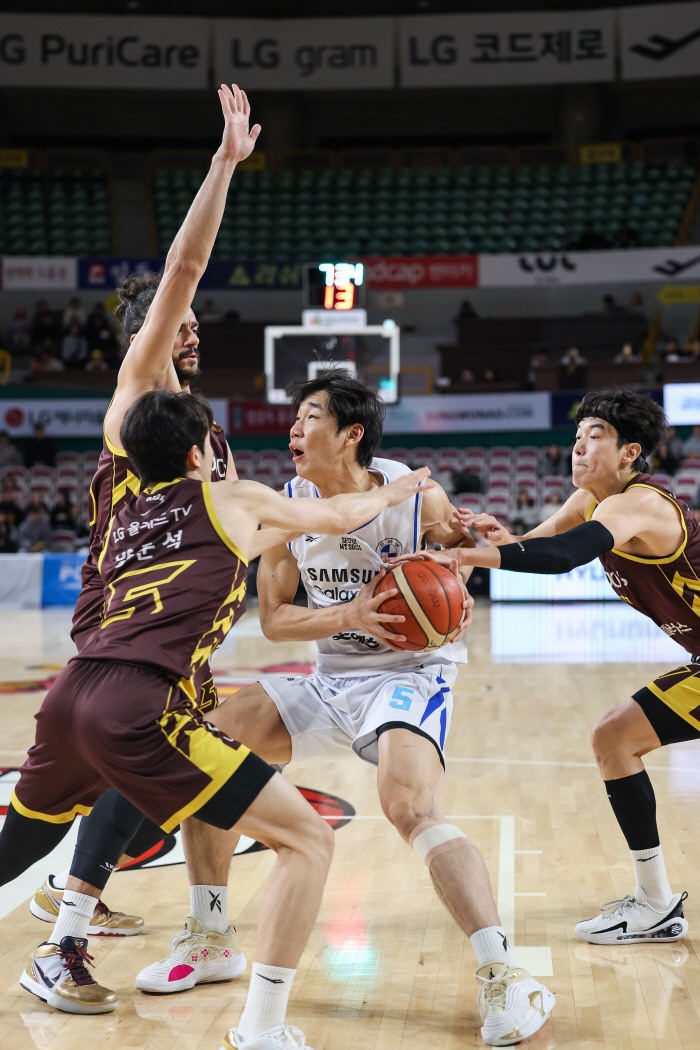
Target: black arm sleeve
{"x":554,"y":554}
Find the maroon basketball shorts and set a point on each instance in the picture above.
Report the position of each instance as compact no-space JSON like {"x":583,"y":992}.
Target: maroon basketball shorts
{"x":111,"y":724}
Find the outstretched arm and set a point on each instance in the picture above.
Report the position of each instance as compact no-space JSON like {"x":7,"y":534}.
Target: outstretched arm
{"x":148,"y":362}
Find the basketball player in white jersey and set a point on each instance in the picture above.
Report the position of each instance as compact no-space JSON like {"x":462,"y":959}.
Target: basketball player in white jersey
{"x":391,"y":707}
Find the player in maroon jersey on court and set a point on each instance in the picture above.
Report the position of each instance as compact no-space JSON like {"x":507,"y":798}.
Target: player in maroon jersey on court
{"x":649,"y":544}
{"x":159,"y":333}
{"x":124,"y":712}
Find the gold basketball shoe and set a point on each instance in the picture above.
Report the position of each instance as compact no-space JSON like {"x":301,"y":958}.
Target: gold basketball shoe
{"x":58,"y":974}
{"x":46,"y":902}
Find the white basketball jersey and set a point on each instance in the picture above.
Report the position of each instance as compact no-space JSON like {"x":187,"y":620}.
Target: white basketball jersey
{"x":334,"y":568}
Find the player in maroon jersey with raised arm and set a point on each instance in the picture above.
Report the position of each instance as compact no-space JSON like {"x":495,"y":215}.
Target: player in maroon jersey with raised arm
{"x":124,"y":712}
{"x":649,"y":544}
{"x":159,"y":337}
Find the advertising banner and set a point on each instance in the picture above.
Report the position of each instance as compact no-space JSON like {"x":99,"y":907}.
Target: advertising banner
{"x":61,"y":583}
{"x":21,"y":581}
{"x":309,"y":53}
{"x":255,"y":417}
{"x":35,"y":271}
{"x":103,"y":51}
{"x":439,"y":271}
{"x":542,"y":47}
{"x":660,"y":40}
{"x":629,"y":265}
{"x":464,"y":413}
{"x":248,"y":275}
{"x":60,"y":417}
{"x":111,"y":273}
{"x":682,"y":403}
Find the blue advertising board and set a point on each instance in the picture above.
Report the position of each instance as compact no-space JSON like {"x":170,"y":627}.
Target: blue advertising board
{"x":62,"y":583}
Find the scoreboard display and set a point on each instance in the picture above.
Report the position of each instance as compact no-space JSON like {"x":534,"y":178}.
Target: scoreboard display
{"x":335,"y":286}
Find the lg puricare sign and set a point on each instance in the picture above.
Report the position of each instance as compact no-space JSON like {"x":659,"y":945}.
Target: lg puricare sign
{"x":102,"y":51}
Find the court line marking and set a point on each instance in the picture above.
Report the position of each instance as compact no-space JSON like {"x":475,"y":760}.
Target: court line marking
{"x":579,"y":765}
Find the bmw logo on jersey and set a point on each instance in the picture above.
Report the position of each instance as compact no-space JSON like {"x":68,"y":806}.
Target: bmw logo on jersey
{"x":389,"y":547}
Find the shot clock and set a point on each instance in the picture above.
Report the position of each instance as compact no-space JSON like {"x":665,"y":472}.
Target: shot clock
{"x":337,"y":286}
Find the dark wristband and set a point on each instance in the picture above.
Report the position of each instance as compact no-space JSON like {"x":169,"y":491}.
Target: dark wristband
{"x":555,"y":554}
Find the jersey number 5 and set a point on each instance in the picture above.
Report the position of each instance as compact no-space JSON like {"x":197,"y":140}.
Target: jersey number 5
{"x":150,"y":587}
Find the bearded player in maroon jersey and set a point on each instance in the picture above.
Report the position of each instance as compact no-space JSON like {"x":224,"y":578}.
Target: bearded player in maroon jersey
{"x":159,"y":337}
{"x":649,"y":545}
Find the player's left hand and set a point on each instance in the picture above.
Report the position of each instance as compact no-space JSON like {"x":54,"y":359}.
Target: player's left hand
{"x":237,"y":142}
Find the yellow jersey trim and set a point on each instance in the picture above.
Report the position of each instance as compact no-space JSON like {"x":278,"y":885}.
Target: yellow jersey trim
{"x":640,"y":558}
{"x":218,"y":527}
{"x":163,"y":485}
{"x":51,"y":818}
{"x":105,"y":544}
{"x":671,"y":702}
{"x":113,"y":448}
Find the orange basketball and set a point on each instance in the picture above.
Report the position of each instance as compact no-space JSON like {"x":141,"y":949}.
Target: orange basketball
{"x":429,"y":597}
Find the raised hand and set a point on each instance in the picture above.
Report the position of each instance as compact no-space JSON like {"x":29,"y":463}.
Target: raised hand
{"x":407,"y":486}
{"x":237,"y":142}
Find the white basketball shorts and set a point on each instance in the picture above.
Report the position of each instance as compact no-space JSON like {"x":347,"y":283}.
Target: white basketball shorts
{"x":326,"y":716}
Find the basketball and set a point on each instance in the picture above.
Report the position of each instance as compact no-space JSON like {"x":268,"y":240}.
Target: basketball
{"x":429,"y":597}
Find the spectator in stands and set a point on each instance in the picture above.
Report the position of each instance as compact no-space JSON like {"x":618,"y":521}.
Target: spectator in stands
{"x":525,"y":515}
{"x":44,"y":325}
{"x":610,"y":307}
{"x":209,"y":312}
{"x":627,"y":356}
{"x":74,"y":347}
{"x":675,"y":443}
{"x":37,"y":502}
{"x":8,"y":536}
{"x":45,"y":361}
{"x":100,"y":333}
{"x":466,"y":376}
{"x":34,"y":534}
{"x":671,"y":351}
{"x":96,"y":362}
{"x":9,"y":506}
{"x":590,"y":240}
{"x":691,"y":446}
{"x":20,"y":330}
{"x":490,"y":375}
{"x":554,"y":463}
{"x":538,"y":360}
{"x":9,"y":453}
{"x":664,"y":461}
{"x":550,"y":506}
{"x":626,"y":236}
{"x":39,"y":449}
{"x":63,"y":515}
{"x":693,"y":352}
{"x":466,"y":311}
{"x":636,"y":304}
{"x":573,"y":359}
{"x":74,"y":314}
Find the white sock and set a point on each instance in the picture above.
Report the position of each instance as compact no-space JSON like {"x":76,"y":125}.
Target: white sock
{"x":210,"y":905}
{"x":650,"y":873}
{"x":59,"y":881}
{"x":491,"y":945}
{"x":266,"y":1004}
{"x":74,"y":916}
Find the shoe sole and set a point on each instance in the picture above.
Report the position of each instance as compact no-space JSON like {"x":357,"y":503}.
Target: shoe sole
{"x":667,"y":931}
{"x":525,"y":1031}
{"x":170,"y":987}
{"x":59,"y":1003}
{"x":93,"y":931}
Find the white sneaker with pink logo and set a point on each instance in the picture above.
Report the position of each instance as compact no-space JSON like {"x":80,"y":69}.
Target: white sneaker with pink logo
{"x":196,"y":956}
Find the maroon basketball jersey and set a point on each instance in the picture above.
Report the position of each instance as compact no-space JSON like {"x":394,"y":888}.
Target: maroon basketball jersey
{"x":174,"y":583}
{"x":114,"y":484}
{"x":664,"y":589}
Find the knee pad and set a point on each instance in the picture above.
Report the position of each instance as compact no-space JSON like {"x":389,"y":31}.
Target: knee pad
{"x":103,"y":838}
{"x":430,"y":840}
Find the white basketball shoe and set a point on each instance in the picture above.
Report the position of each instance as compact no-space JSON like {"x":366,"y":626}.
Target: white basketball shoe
{"x":512,"y":1004}
{"x":632,"y":920}
{"x":286,"y":1038}
{"x":196,"y":957}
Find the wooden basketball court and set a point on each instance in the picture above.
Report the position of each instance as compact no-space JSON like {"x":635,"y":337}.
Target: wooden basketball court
{"x":386,"y":968}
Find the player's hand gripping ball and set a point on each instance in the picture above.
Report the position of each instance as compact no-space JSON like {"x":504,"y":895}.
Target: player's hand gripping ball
{"x":430,"y":598}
